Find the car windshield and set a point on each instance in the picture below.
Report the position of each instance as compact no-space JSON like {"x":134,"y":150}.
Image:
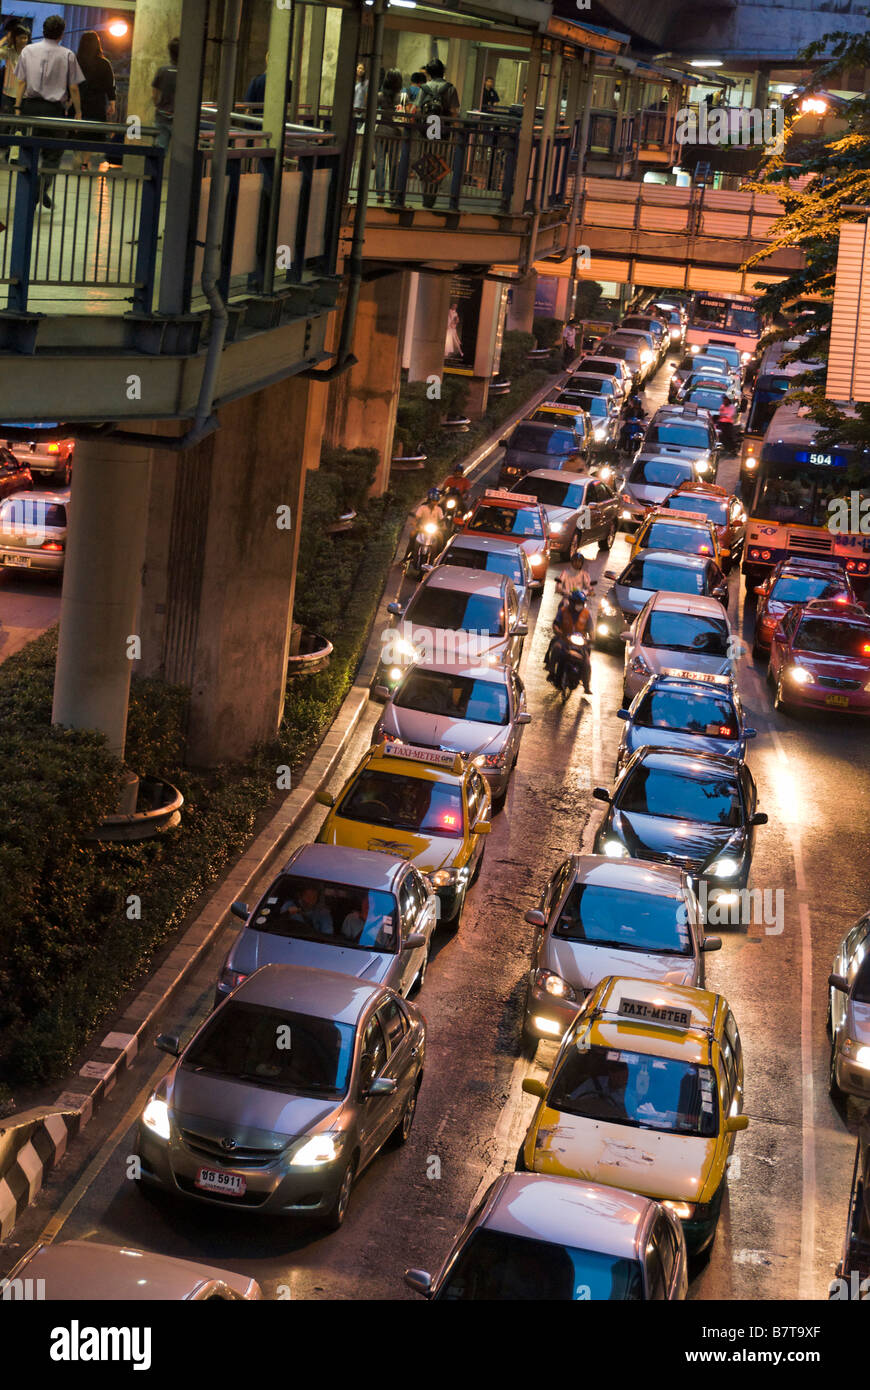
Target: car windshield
{"x":595,"y":405}
{"x":495,"y":1266}
{"x":800,"y":588}
{"x":566,"y":416}
{"x":313,"y":909}
{"x":714,"y":366}
{"x":652,"y":574}
{"x":623,"y":351}
{"x":661,"y":472}
{"x":454,"y":610}
{"x":274,"y":1048}
{"x":688,"y":712}
{"x":703,"y":796}
{"x":624,"y":921}
{"x":22,"y":513}
{"x":553,"y":492}
{"x":603,"y":366}
{"x":671,"y":535}
{"x":404,"y":803}
{"x":506,"y":521}
{"x":707,"y":400}
{"x":453,"y":697}
{"x":542,"y":441}
{"x":674,"y":432}
{"x":710,"y":507}
{"x":492,"y":561}
{"x":633,"y":1088}
{"x":591,"y":384}
{"x":686,"y":632}
{"x":831,"y":638}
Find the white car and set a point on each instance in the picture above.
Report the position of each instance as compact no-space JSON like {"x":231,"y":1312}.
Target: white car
{"x":84,"y":1271}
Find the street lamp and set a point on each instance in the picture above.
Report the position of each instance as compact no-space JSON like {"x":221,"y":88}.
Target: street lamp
{"x":118,"y":28}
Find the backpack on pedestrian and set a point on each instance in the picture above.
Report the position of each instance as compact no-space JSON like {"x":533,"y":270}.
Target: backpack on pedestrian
{"x":438,"y":98}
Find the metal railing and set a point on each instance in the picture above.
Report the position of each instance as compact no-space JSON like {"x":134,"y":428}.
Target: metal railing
{"x":472,"y":166}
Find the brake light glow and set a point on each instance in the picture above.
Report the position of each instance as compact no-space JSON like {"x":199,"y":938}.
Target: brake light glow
{"x":725,"y":730}
{"x":51,"y":545}
{"x":449,"y":820}
{"x":54,"y":448}
{"x":866,"y":649}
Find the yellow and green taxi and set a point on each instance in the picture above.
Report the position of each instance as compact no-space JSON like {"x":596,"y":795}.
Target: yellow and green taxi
{"x":663,"y":528}
{"x":431,"y":807}
{"x":646,"y":1094}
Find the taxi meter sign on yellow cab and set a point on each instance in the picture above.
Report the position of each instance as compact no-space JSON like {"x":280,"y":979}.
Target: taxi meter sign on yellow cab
{"x":655,"y":1013}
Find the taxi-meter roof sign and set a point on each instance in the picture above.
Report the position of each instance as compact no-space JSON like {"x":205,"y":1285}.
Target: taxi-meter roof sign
{"x":414,"y":754}
{"x":655,"y":1013}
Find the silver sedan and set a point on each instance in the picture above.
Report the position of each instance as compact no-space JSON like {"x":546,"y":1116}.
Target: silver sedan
{"x":33,"y":531}
{"x":478,"y":711}
{"x":334,"y":908}
{"x":676,"y":629}
{"x":600,"y":917}
{"x":849,"y":1013}
{"x":284,"y":1095}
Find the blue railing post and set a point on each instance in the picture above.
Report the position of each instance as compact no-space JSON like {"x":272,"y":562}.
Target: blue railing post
{"x":26,"y":194}
{"x":148,"y":231}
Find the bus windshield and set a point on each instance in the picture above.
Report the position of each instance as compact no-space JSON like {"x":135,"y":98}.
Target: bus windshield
{"x":808,"y":496}
{"x":732,"y":316}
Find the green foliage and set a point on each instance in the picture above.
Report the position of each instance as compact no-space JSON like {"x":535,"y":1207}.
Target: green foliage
{"x":515,"y":349}
{"x":548,"y":331}
{"x":586,"y":301}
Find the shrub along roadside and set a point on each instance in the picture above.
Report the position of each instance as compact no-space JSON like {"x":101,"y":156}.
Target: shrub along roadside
{"x":80,"y":922}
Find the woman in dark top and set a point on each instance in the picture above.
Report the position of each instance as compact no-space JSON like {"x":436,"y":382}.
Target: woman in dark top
{"x":98,"y":89}
{"x":386,"y":131}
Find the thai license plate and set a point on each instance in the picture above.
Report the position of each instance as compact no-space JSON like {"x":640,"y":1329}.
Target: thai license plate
{"x":212,"y":1180}
{"x":841,"y":701}
{"x":23,"y":561}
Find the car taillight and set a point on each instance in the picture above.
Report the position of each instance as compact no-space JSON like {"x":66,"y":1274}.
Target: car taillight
{"x":856,"y":566}
{"x":625,"y":498}
{"x":54,"y":448}
{"x":51,"y":545}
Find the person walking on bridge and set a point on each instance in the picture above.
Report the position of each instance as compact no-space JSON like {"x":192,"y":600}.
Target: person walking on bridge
{"x":49,"y":78}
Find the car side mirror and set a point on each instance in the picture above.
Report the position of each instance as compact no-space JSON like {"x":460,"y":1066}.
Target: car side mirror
{"x":382,"y":1086}
{"x":779,"y":633}
{"x":610,"y":574}
{"x":396,"y":609}
{"x":168,"y":1042}
{"x":420,"y":1281}
{"x":524,"y":717}
{"x":623,"y":714}
{"x":760,"y":818}
{"x":414,"y":939}
{"x":761,"y":589}
{"x":839,"y":982}
{"x":735,"y":1123}
{"x":625,"y":636}
{"x":483,"y":827}
{"x":711,"y":943}
{"x":383,"y":692}
{"x":240,"y":909}
{"x":601,"y":794}
{"x":533,"y":1087}
{"x":750,"y":733}
{"x":535,"y":917}
{"x":324,"y":798}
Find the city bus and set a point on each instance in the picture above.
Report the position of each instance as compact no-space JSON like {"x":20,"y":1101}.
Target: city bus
{"x":771,"y":384}
{"x":790,"y":511}
{"x":730,"y":319}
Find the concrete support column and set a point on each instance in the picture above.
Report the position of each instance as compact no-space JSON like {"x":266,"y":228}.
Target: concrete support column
{"x":430,"y":327}
{"x":521,"y":310}
{"x":180,"y":165}
{"x":101,"y":589}
{"x":362,"y":402}
{"x":223,"y":537}
{"x":156,"y":22}
{"x":484,"y":356}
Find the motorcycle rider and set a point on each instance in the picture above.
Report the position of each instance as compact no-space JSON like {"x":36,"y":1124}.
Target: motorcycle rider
{"x":727,"y":424}
{"x":428,"y":511}
{"x":633,"y":414}
{"x":572,"y":618}
{"x":457,"y":482}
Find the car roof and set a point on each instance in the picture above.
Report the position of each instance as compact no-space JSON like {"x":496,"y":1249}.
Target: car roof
{"x":319,"y":993}
{"x":696,"y":605}
{"x":470,"y":670}
{"x":540,"y":426}
{"x":652,"y":455}
{"x":720,"y":685}
{"x":362,"y":868}
{"x":678,"y":760}
{"x":464,"y":580}
{"x":634,"y":875}
{"x":42,"y":495}
{"x":804,"y":564}
{"x":567,"y":1211}
{"x":700,"y":489}
{"x":85,"y":1269}
{"x":472,"y":540}
{"x":680,"y":558}
{"x":841,"y":612}
{"x":559,"y":475}
{"x":599,"y":357}
{"x":692,"y":1042}
{"x":673,"y":516}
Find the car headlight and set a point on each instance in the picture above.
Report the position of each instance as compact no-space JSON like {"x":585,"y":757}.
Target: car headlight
{"x":556,"y":527}
{"x":492,"y":760}
{"x":746,"y":357}
{"x":856,"y":1052}
{"x":156,"y":1117}
{"x":406,"y":648}
{"x":599,"y":434}
{"x":684,"y":1210}
{"x":317,"y":1151}
{"x":395,"y":673}
{"x":605,"y":473}
{"x":696,"y":347}
{"x":607,"y":608}
{"x":230,"y":978}
{"x":554,"y":984}
{"x":444,"y":878}
{"x":615,"y":849}
{"x":539,"y":559}
{"x":638,"y":666}
{"x":798,"y":675}
{"x":675,"y":333}
{"x":725,"y":867}
{"x":646,"y":356}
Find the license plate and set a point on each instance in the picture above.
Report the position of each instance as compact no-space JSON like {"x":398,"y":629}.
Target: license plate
{"x":22,"y":561}
{"x":212,"y":1180}
{"x":841,"y":701}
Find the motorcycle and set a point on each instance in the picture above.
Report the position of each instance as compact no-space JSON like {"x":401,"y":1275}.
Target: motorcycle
{"x":630,"y":435}
{"x":572,"y":660}
{"x":423,"y":550}
{"x":453,"y":506}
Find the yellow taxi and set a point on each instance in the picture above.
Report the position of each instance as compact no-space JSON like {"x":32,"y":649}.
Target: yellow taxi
{"x":570,"y":417}
{"x":665,"y":528}
{"x":646,"y":1094}
{"x":429,"y":806}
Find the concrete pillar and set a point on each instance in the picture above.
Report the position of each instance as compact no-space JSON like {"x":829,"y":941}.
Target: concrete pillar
{"x":430,"y":327}
{"x":521,"y":311}
{"x":217,"y":601}
{"x":362,"y":402}
{"x":484,"y":356}
{"x":155,"y":23}
{"x":101,"y":588}
{"x":180,"y":167}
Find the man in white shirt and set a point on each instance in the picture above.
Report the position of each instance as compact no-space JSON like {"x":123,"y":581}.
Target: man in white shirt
{"x":48,"y":78}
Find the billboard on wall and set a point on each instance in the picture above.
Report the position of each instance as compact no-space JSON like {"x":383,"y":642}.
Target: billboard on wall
{"x":463,"y":319}
{"x":546,"y":290}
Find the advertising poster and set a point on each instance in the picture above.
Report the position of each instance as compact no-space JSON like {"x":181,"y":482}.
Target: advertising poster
{"x":545,"y":296}
{"x":463,"y":317}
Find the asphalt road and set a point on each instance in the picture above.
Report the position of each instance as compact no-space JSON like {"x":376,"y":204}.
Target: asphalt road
{"x":783,"y":1221}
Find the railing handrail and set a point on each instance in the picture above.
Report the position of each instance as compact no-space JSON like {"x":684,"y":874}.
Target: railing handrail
{"x":65,"y":122}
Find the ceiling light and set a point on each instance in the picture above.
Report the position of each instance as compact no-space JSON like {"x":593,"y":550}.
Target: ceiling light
{"x":705,"y":63}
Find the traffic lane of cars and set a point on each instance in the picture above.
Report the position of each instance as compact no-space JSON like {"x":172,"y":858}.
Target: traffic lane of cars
{"x":29,"y":604}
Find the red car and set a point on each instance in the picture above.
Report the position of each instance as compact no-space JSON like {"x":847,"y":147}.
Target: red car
{"x":793,"y":581}
{"x":820,"y":657}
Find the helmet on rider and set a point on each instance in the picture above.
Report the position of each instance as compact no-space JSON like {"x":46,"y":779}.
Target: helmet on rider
{"x":577,"y":598}
{"x":458,"y":471}
{"x":432,"y":495}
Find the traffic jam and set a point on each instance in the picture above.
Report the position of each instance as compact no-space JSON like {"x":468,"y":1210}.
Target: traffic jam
{"x":585,"y":577}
